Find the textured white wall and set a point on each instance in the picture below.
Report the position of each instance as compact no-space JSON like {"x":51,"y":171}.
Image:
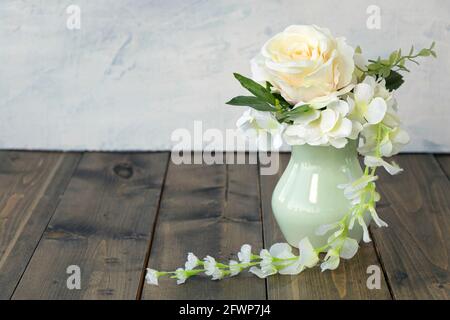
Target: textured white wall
{"x":137,"y":70}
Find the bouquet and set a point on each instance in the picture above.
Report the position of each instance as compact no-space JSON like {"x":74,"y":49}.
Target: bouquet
{"x":308,"y":87}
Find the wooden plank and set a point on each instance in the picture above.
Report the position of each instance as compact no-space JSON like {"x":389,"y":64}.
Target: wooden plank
{"x":444,"y":162}
{"x":415,"y":249}
{"x":103,"y":224}
{"x":347,"y":282}
{"x":207,"y":209}
{"x":31,"y":184}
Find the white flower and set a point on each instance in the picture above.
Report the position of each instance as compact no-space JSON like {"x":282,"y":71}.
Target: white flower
{"x":181,"y":275}
{"x":284,"y":251}
{"x":245,"y":255}
{"x":341,"y":248}
{"x":267,"y":268}
{"x":372,"y":161}
{"x":212,"y":268}
{"x":325,"y":228}
{"x":192,"y":261}
{"x":235,"y":269}
{"x":360,"y":61}
{"x":392,"y":140}
{"x":152,"y":277}
{"x":376,"y":218}
{"x":262,"y":126}
{"x":280,"y":259}
{"x":353,"y":190}
{"x":263,"y":273}
{"x":218,"y":274}
{"x":349,"y":248}
{"x":367,"y":106}
{"x":331,"y":260}
{"x":308,"y":256}
{"x":356,"y":216}
{"x":210,"y":265}
{"x":362,"y":223}
{"x":327,"y":127}
{"x":306,"y":64}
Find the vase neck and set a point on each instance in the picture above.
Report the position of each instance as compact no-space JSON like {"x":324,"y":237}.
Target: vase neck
{"x":324,"y":153}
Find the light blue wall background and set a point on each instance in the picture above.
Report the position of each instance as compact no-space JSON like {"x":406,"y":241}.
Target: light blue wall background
{"x":138,"y":70}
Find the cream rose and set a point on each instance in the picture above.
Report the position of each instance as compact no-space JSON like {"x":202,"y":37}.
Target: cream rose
{"x":306,"y":64}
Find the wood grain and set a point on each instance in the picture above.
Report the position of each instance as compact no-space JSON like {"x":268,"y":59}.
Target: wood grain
{"x":31,"y":184}
{"x":415,"y":249}
{"x":103,"y":224}
{"x":207,"y":209}
{"x":347,"y":282}
{"x":444,"y":162}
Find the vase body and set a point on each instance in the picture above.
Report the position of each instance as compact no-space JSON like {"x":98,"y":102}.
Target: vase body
{"x":307,"y":196}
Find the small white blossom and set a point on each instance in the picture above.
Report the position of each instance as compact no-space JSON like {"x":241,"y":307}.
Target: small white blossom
{"x":152,"y":277}
{"x":308,"y":256}
{"x":210,"y":265}
{"x":245,"y":255}
{"x":325,"y":228}
{"x":235,"y":269}
{"x":218,"y":274}
{"x":331,"y":260}
{"x":362,"y":223}
{"x":192,"y":261}
{"x":212,"y":269}
{"x":341,"y":248}
{"x":376,"y":218}
{"x":280,"y":259}
{"x":181,"y":275}
{"x":392,"y":168}
{"x":262,"y":126}
{"x":370,"y":101}
{"x":391,"y":142}
{"x":263,"y":273}
{"x":354,"y":189}
{"x":349,"y":248}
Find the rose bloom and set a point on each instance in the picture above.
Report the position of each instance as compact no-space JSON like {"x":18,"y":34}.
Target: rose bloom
{"x":306,"y":64}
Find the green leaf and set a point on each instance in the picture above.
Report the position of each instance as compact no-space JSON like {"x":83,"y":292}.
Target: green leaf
{"x":253,"y":102}
{"x":255,"y":88}
{"x":394,"y":80}
{"x":293,"y":113}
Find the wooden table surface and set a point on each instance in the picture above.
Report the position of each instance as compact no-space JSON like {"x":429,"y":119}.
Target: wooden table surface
{"x":114,"y":214}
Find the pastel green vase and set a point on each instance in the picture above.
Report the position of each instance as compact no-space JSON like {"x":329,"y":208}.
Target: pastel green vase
{"x":307,"y":196}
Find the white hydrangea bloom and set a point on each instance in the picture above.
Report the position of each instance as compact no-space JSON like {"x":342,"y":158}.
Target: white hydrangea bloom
{"x":376,"y":105}
{"x":393,"y":141}
{"x":327,"y":127}
{"x":262,"y":126}
{"x":369,"y":101}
